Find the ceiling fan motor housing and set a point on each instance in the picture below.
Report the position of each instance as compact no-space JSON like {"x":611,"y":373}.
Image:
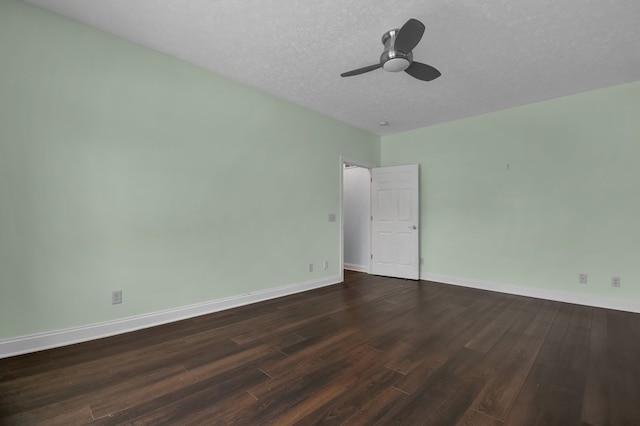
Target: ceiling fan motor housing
{"x":398,"y":53}
{"x":393,"y":60}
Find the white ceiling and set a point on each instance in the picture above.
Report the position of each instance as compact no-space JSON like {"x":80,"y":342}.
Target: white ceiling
{"x":492,"y":54}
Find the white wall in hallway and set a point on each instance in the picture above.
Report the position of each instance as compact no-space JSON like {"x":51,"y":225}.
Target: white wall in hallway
{"x":356,"y":206}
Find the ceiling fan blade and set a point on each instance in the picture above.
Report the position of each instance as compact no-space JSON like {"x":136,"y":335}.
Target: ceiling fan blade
{"x":422,"y":71}
{"x":361,"y":70}
{"x":409,"y":36}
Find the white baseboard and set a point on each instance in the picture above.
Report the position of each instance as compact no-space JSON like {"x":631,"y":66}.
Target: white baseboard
{"x":53,"y":339}
{"x":357,"y":268}
{"x":559,"y":296}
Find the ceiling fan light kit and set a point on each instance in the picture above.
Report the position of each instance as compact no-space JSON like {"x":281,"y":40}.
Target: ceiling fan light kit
{"x":398,"y":53}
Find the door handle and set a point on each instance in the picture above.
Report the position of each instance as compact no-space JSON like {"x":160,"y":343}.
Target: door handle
{"x":413,"y":227}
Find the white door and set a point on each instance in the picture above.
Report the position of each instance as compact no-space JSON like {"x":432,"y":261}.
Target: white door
{"x":395,"y":208}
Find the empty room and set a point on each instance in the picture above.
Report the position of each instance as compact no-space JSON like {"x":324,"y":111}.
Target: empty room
{"x":337,"y":212}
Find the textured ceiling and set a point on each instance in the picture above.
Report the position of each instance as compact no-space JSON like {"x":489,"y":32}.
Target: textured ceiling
{"x":492,"y":54}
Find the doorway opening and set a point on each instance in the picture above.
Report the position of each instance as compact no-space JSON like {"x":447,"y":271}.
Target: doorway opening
{"x":380,"y":234}
{"x":355,"y":216}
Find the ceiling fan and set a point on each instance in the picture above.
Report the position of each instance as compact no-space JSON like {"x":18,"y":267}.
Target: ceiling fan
{"x":398,"y":56}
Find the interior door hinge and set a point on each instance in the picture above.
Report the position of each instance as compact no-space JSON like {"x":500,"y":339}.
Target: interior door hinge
{"x":371,"y":255}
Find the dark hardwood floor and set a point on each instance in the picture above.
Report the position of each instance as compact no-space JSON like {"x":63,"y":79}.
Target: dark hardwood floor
{"x":371,"y":351}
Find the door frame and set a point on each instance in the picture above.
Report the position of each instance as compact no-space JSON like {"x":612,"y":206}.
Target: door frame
{"x":365,"y":165}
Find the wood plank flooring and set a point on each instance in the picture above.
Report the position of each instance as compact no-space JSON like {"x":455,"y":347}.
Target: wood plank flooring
{"x":373,"y":350}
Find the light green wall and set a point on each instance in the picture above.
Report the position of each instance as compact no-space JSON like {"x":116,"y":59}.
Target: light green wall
{"x":122,"y":168}
{"x":532,"y":196}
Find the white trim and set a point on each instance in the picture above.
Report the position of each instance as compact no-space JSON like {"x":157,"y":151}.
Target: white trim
{"x":539,"y":293}
{"x":53,"y":339}
{"x":357,"y":268}
{"x":341,"y":220}
{"x":358,"y":163}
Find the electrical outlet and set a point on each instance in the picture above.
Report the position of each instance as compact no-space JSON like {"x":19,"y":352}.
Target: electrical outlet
{"x":615,"y":281}
{"x":582,"y":278}
{"x":326,"y":264}
{"x":116,"y":297}
{"x":311,"y":267}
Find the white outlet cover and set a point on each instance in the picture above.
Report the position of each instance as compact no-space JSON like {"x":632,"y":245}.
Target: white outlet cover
{"x":116,"y":297}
